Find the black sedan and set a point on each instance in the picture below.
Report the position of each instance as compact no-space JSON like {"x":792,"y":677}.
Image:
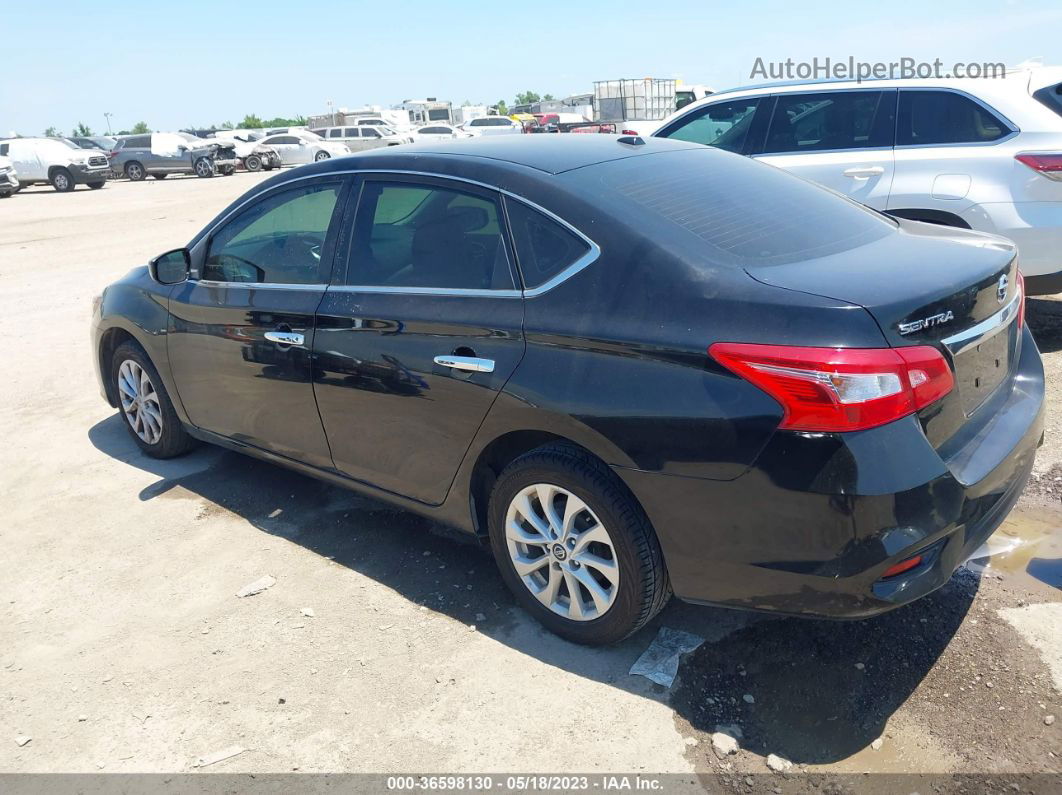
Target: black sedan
{"x":630,"y":366}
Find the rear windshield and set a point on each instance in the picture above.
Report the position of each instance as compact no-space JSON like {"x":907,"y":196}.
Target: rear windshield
{"x":746,"y":213}
{"x":1051,"y":96}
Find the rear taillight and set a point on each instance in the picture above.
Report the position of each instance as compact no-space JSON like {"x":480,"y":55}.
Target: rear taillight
{"x":1021,"y":298}
{"x":840,"y":389}
{"x":1047,"y":163}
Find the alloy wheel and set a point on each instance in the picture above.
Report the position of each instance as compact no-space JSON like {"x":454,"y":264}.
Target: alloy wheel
{"x":140,"y":402}
{"x":203,"y":167}
{"x":562,"y":552}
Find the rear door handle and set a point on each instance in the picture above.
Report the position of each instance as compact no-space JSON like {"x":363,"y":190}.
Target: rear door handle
{"x":469,"y":363}
{"x":285,"y":337}
{"x":866,"y":171}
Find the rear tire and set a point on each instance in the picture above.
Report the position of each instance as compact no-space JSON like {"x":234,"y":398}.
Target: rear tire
{"x":144,"y":406}
{"x":609,"y":539}
{"x":62,"y":180}
{"x":134,"y":171}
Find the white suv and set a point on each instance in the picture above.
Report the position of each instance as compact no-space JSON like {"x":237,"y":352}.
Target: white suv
{"x":492,"y":125}
{"x":56,"y":161}
{"x":980,"y":154}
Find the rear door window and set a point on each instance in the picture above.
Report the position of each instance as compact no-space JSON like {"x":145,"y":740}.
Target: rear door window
{"x":830,"y":120}
{"x":945,"y":117}
{"x":335,"y":132}
{"x":544,"y":248}
{"x":724,"y":125}
{"x":414,"y":235}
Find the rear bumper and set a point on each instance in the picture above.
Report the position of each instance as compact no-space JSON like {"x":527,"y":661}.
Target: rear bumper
{"x":811,"y":528}
{"x":1036,"y":227}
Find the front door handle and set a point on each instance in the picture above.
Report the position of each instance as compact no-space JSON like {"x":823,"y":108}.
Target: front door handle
{"x":469,"y":363}
{"x":285,"y":337}
{"x":866,"y":171}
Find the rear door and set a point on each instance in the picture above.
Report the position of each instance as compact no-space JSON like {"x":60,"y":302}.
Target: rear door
{"x":242,"y":329}
{"x":840,"y":139}
{"x":418,"y":334}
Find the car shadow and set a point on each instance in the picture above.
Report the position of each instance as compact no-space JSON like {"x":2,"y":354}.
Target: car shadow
{"x":812,"y":703}
{"x":1045,"y":321}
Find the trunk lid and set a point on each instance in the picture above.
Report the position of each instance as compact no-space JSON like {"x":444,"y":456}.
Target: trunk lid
{"x":954,"y":289}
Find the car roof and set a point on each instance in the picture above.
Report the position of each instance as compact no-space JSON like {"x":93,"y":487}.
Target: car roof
{"x":547,"y":153}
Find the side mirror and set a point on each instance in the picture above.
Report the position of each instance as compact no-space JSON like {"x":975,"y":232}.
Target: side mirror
{"x":171,"y":267}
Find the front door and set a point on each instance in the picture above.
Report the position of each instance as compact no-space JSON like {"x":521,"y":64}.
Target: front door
{"x":418,"y":334}
{"x":839,"y":139}
{"x":241,"y":331}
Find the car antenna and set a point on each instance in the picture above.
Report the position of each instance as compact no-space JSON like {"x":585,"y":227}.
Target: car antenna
{"x":632,"y":140}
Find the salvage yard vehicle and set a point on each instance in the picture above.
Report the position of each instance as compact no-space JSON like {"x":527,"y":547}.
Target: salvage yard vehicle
{"x":8,"y":178}
{"x":304,"y":146}
{"x":493,"y":125}
{"x":360,"y":138}
{"x":630,"y":366}
{"x":967,"y":153}
{"x":162,"y":154}
{"x":104,"y":142}
{"x":55,"y":161}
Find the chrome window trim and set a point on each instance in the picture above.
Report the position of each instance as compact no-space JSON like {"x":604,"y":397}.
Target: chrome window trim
{"x":584,"y":261}
{"x":258,"y":285}
{"x":985,"y":330}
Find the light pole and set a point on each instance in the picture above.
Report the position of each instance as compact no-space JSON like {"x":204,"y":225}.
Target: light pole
{"x":108,"y":117}
{"x":331,"y":112}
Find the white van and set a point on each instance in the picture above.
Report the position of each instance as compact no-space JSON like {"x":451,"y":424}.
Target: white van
{"x":55,"y":161}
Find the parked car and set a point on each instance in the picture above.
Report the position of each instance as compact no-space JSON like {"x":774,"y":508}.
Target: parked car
{"x":304,"y":147}
{"x":784,"y":401}
{"x":438,"y":132}
{"x":357,"y":139}
{"x":104,"y":142}
{"x":162,"y":154}
{"x":972,"y":154}
{"x":8,"y":178}
{"x":493,"y":125}
{"x":55,"y":161}
{"x":251,"y":153}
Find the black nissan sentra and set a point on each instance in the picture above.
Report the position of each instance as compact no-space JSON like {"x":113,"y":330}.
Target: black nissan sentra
{"x":631,"y":367}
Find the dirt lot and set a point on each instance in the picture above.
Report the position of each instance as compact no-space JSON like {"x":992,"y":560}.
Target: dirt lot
{"x":387,"y":644}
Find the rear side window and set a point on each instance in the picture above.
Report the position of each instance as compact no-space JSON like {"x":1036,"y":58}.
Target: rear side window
{"x":1051,"y":96}
{"x":138,"y":142}
{"x":740,"y":212}
{"x":945,"y":117}
{"x":724,"y":125}
{"x":830,"y":120}
{"x":544,"y":248}
{"x":409,"y":235}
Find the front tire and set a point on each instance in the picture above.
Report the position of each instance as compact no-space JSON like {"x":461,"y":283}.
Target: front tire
{"x":321,"y":156}
{"x":144,"y":406}
{"x":574,"y":546}
{"x":252,"y":163}
{"x":62,"y":180}
{"x":204,"y":168}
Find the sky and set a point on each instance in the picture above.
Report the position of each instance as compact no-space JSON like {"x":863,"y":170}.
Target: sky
{"x":193,"y":63}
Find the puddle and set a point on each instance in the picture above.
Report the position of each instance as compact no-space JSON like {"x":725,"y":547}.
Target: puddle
{"x":1026,"y":547}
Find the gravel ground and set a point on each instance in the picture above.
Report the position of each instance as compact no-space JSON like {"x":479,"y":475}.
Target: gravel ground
{"x":387,"y":644}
